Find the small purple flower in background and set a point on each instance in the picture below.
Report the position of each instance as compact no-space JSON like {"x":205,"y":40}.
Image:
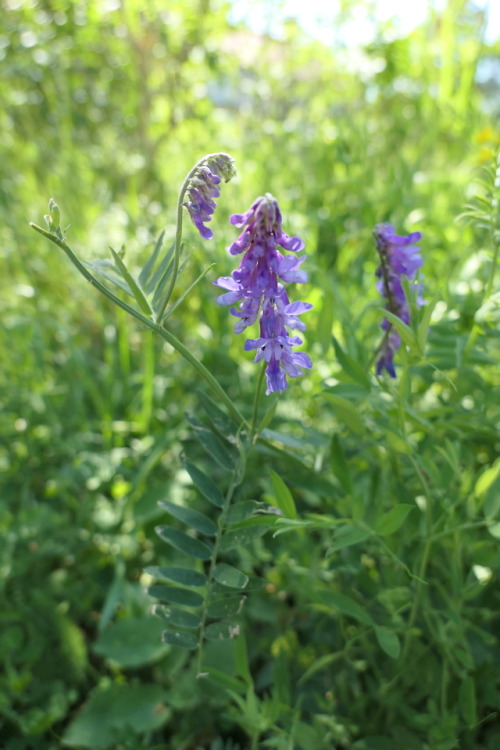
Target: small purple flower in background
{"x":257,"y":285}
{"x":398,"y":257}
{"x":203,"y":188}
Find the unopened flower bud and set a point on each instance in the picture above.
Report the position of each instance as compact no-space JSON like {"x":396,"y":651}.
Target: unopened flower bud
{"x":203,"y":187}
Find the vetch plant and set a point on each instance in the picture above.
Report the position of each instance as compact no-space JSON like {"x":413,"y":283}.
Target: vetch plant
{"x":399,"y":259}
{"x":257,"y":285}
{"x":201,"y":599}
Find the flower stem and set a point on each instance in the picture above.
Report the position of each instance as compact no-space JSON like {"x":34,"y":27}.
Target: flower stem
{"x":255,"y":412}
{"x":236,"y":480}
{"x":178,"y":235}
{"x":160,"y":330}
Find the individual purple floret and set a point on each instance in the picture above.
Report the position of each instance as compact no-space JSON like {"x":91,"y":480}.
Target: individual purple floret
{"x":203,"y":188}
{"x":399,"y":257}
{"x":257,"y":285}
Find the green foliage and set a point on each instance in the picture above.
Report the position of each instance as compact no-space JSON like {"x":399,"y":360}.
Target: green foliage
{"x":330,"y":580}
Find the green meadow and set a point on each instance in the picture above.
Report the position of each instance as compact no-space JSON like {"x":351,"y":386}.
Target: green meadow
{"x":187,"y":563}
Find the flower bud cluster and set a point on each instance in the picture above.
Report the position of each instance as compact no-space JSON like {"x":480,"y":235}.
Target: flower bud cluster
{"x":204,"y":186}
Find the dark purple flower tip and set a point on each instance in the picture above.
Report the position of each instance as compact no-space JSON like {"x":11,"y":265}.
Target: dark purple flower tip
{"x":290,"y":363}
{"x":275,"y":377}
{"x":385,"y":362}
{"x":203,"y":187}
{"x":399,"y":258}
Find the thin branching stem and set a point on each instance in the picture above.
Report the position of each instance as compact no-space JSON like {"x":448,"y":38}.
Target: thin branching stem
{"x":165,"y":334}
{"x":178,"y":235}
{"x":255,"y":411}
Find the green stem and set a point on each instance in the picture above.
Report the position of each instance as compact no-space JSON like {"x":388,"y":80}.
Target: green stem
{"x":178,"y":235}
{"x":236,"y":480}
{"x":496,"y":246}
{"x":428,"y":518}
{"x":165,"y":334}
{"x":255,"y":411}
{"x":494,"y":227}
{"x":148,"y":382}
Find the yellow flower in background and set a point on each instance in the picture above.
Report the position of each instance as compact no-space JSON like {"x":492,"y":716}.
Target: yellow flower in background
{"x":489,"y":141}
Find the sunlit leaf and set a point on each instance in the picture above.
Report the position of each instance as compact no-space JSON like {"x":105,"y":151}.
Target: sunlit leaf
{"x":283,"y":496}
{"x":184,"y":576}
{"x":229,"y":576}
{"x":133,"y":285}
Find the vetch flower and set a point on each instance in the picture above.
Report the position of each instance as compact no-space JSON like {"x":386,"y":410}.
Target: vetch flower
{"x":399,"y":257}
{"x":257,"y":285}
{"x":203,"y":187}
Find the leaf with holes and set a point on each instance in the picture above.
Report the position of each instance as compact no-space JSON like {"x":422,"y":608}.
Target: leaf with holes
{"x":241,"y":536}
{"x":229,"y":576}
{"x":220,"y":631}
{"x":226,"y":606}
{"x":178,"y":617}
{"x":180,"y":638}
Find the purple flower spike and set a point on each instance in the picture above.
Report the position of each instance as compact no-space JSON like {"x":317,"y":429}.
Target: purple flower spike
{"x":399,"y":257}
{"x":256,"y":283}
{"x":203,"y":187}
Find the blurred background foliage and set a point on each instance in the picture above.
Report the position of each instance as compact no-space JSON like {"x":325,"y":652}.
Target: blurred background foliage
{"x":106,"y":105}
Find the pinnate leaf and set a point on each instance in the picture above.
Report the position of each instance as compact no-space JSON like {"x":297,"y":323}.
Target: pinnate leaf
{"x":184,"y":543}
{"x":175,"y":594}
{"x":205,"y":485}
{"x":184,"y":576}
{"x":229,"y":576}
{"x":190,"y":517}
